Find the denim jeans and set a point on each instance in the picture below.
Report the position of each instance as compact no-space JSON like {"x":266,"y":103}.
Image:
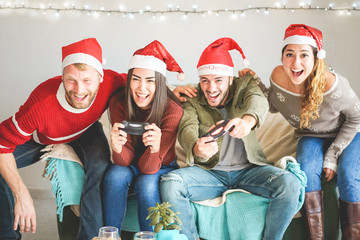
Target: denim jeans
{"x":181,"y":186}
{"x":117,"y":182}
{"x":310,"y":155}
{"x":93,"y":151}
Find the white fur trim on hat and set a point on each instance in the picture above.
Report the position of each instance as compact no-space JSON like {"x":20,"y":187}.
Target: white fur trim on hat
{"x":217,"y":69}
{"x":297,"y":39}
{"x":148,"y":62}
{"x":83,"y":58}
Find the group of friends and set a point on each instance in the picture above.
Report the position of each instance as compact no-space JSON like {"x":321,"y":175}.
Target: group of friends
{"x":318,"y":103}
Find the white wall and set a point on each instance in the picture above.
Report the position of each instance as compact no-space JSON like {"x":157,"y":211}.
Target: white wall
{"x":30,"y":41}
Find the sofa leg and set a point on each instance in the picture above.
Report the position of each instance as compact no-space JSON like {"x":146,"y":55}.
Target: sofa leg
{"x":350,"y":220}
{"x":313,"y":212}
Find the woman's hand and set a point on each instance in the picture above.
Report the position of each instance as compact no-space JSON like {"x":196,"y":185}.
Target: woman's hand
{"x":118,"y":137}
{"x":329,"y":174}
{"x":152,"y":137}
{"x":188,"y":90}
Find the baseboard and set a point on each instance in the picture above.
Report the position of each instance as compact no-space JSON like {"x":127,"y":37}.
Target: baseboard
{"x":41,"y":193}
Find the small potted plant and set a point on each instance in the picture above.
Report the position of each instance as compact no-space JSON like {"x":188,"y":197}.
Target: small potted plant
{"x":165,"y":221}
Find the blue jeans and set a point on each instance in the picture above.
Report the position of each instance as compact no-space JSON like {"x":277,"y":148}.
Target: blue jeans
{"x":181,"y":186}
{"x":116,"y":187}
{"x":93,"y":151}
{"x":310,"y":155}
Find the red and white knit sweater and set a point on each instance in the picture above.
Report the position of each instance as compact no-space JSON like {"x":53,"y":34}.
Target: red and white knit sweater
{"x":47,"y":118}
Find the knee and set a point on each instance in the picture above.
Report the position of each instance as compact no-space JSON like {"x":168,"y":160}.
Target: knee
{"x":117,"y":175}
{"x":147,"y":185}
{"x":171,"y":186}
{"x":290,"y":186}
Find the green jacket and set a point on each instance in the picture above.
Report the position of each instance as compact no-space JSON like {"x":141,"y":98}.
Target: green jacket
{"x":245,"y":98}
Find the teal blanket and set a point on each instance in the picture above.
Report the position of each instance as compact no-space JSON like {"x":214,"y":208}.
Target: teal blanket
{"x":67,"y":180}
{"x":241,"y":217}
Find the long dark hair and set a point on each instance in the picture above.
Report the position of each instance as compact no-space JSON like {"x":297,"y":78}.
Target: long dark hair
{"x":158,"y":105}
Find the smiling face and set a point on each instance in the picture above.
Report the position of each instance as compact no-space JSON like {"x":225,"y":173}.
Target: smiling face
{"x":81,"y":86}
{"x":215,"y":88}
{"x":298,"y":62}
{"x":142,"y":87}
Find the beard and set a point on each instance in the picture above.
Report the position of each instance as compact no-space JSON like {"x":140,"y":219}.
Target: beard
{"x":71,"y":99}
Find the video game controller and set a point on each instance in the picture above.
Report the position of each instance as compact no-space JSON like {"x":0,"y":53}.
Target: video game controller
{"x":134,"y":128}
{"x":218,"y":131}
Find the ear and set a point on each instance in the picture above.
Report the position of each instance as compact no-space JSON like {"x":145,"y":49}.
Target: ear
{"x":231,"y":78}
{"x":101,"y":78}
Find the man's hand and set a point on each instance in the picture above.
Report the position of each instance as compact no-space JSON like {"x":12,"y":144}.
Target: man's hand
{"x":244,"y":71}
{"x":24,"y":212}
{"x":329,"y":174}
{"x":118,"y":137}
{"x":204,"y":148}
{"x":188,"y":90}
{"x":152,"y":137}
{"x":242,"y":126}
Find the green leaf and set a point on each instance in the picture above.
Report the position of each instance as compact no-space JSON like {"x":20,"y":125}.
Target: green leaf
{"x":174,"y":226}
{"x":155,"y":219}
{"x":151,"y":209}
{"x":158,"y":227}
{"x":169,"y":219}
{"x":178,"y":220}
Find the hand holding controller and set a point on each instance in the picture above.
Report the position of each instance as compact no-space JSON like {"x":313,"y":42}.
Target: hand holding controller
{"x":134,"y":128}
{"x":218,"y":131}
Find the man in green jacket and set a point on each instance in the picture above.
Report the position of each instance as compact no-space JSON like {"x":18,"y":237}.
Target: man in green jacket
{"x":234,"y":160}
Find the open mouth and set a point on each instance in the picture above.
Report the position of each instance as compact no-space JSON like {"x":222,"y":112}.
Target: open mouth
{"x":80,"y":98}
{"x":142,"y":96}
{"x":213,"y":96}
{"x":297,"y":73}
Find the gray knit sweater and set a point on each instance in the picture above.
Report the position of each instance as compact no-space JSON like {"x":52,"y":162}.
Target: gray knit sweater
{"x":339,"y":115}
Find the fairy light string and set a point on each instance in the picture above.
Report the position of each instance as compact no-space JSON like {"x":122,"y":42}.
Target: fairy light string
{"x":96,"y":12}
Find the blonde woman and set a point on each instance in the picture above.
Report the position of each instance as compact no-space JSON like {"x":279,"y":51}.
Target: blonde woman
{"x":326,"y":114}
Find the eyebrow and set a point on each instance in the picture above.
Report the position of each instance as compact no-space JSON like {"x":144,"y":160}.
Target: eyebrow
{"x":140,"y":77}
{"x":291,"y":50}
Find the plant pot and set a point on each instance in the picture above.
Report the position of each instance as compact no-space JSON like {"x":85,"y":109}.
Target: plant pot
{"x":170,"y":235}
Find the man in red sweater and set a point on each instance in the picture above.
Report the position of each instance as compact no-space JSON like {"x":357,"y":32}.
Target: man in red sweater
{"x":64,"y":109}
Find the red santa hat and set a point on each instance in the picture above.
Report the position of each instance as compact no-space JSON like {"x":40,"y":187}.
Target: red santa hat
{"x":216,"y":58}
{"x":303,"y":34}
{"x":86,"y":51}
{"x":155,"y":57}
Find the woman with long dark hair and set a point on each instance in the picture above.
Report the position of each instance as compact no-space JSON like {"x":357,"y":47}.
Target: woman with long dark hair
{"x":140,"y":160}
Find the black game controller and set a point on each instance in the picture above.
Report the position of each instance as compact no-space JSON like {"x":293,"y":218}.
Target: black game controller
{"x":218,"y":131}
{"x":134,"y":128}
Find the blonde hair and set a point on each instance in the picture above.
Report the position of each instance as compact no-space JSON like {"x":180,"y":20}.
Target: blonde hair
{"x":314,"y":90}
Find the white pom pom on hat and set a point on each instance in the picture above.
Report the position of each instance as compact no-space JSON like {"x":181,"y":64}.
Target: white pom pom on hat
{"x":246,"y":63}
{"x":181,"y":76}
{"x":104,"y":61}
{"x":321,"y":54}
